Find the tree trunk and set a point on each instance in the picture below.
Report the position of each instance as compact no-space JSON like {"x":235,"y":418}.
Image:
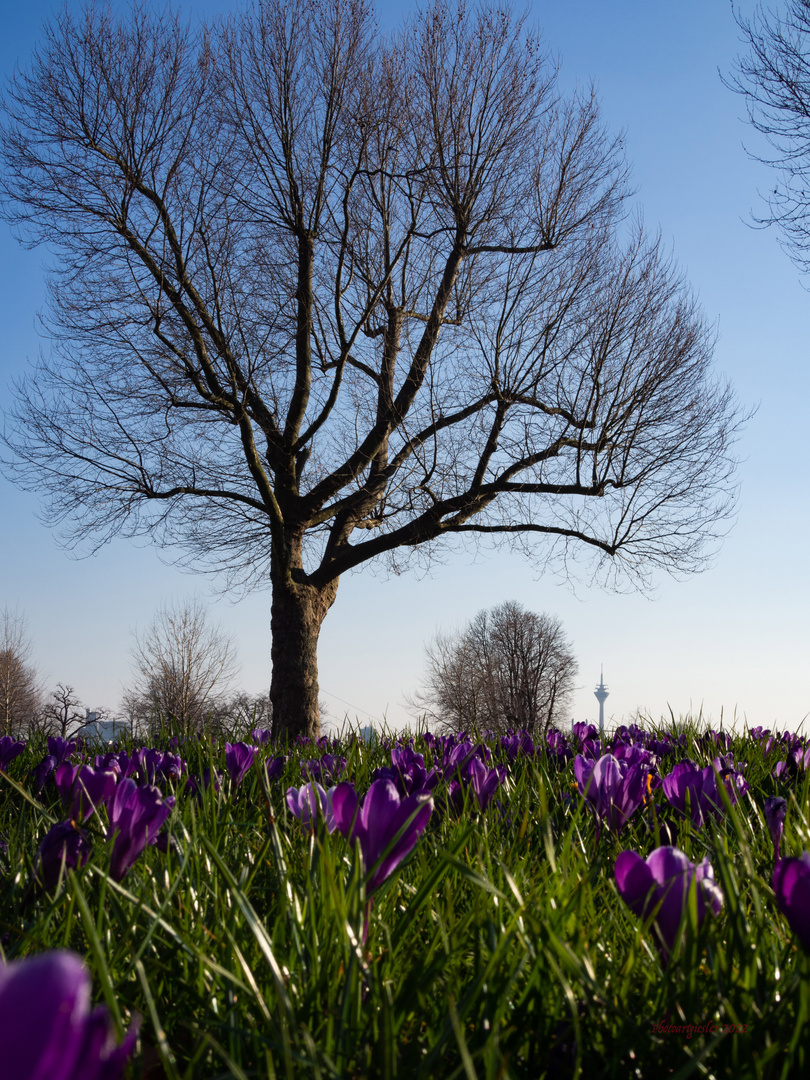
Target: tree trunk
{"x":297,"y":612}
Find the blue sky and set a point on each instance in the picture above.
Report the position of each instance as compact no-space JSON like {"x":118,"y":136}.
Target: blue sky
{"x":733,"y":639}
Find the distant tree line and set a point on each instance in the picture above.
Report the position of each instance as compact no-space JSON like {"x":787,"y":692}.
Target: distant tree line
{"x":508,"y":668}
{"x":183,"y":678}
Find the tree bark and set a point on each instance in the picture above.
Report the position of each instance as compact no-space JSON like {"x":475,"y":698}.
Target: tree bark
{"x":297,"y":613}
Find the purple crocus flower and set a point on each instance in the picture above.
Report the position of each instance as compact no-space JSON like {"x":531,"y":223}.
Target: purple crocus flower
{"x":633,"y":754}
{"x":702,"y":787}
{"x":120,"y":762}
{"x":64,"y":844}
{"x":146,"y":762}
{"x":261,"y":735}
{"x":584,"y":731}
{"x":41,"y":772}
{"x":775,"y":814}
{"x":324,"y":769}
{"x":408,"y":772}
{"x":791,"y":883}
{"x":800,"y":757}
{"x":9,"y":749}
{"x":558,"y":745}
{"x":136,"y":815}
{"x":485,"y":782}
{"x":660,"y":886}
{"x":453,"y":798}
{"x":386,"y":826}
{"x":48,"y":1030}
{"x":60,"y":748}
{"x":275,"y":766}
{"x":730,"y":776}
{"x":238,"y":759}
{"x":516,"y":743}
{"x":309,"y":802}
{"x":687,"y":782}
{"x":171,"y":767}
{"x":458,"y":759}
{"x":82,"y":788}
{"x":614,"y":789}
{"x":198,"y":786}
{"x":107,"y":762}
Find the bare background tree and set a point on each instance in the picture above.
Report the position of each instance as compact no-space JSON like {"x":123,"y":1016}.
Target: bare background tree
{"x":63,"y":714}
{"x":183,"y":672}
{"x":20,"y":692}
{"x":508,"y":668}
{"x":243,"y":712}
{"x":774,"y":78}
{"x":322,"y":298}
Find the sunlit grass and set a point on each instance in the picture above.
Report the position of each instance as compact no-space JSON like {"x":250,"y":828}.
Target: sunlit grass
{"x":501,"y":948}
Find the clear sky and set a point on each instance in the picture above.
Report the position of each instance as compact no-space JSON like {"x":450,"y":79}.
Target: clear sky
{"x":733,"y":639}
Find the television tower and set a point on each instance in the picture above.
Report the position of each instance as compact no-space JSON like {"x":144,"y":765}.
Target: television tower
{"x":601,"y":693}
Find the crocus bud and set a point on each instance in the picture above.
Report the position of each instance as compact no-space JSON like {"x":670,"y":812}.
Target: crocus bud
{"x":64,"y":844}
{"x":388,"y":827}
{"x":238,"y":759}
{"x":47,"y":1028}
{"x":136,"y":816}
{"x":9,"y":749}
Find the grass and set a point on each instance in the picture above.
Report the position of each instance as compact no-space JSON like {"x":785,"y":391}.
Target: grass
{"x":500,"y":949}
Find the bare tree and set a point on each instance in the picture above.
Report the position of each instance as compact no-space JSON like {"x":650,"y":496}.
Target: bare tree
{"x":244,"y":711}
{"x":63,"y":713}
{"x":19,"y":685}
{"x":508,"y":668}
{"x":323,"y":297}
{"x":183,"y":670}
{"x":774,"y":78}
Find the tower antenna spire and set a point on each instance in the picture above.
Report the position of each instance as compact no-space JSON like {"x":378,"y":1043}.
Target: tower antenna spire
{"x":601,"y":694}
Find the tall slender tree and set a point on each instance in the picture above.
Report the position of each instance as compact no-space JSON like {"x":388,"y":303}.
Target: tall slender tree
{"x":20,"y":690}
{"x":322,"y":296}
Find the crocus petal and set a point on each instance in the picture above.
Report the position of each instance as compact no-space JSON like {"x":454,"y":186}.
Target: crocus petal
{"x":791,"y":883}
{"x":607,"y":776}
{"x":662,"y":887}
{"x":9,"y":749}
{"x":344,"y":807}
{"x":304,"y":803}
{"x":136,"y":816}
{"x":410,"y":819}
{"x":238,"y":759}
{"x":64,"y":843}
{"x":100,"y":1058}
{"x":379,"y":807}
{"x":634,"y":881}
{"x":43,"y":1003}
{"x":47,"y":1031}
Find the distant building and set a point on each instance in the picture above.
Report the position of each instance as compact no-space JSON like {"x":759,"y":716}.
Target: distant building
{"x":104,"y":730}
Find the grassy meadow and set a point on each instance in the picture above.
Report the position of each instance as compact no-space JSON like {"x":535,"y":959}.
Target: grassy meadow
{"x":251,"y":945}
